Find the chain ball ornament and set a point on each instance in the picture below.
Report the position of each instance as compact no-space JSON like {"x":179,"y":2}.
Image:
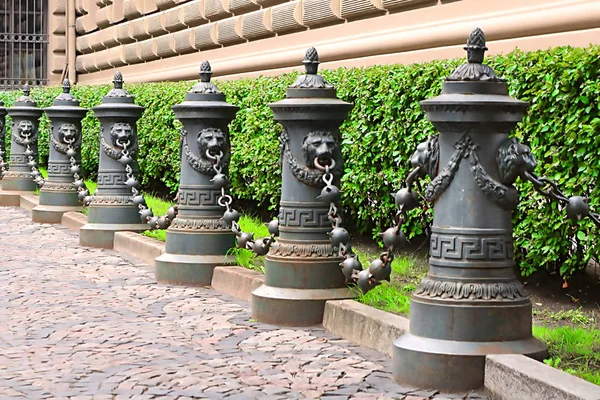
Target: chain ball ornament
{"x":220,"y":181}
{"x":273,"y":227}
{"x":87,"y":200}
{"x":349,"y":265}
{"x":75,"y":169}
{"x":126,"y":160}
{"x":26,"y":141}
{"x":28,"y":152}
{"x":365,"y":283}
{"x":139,"y":200}
{"x":171,"y":213}
{"x":330,"y":194}
{"x":407,"y":199}
{"x":32,"y":163}
{"x":578,"y":208}
{"x":132,"y":183}
{"x":243,"y":239}
{"x":152,"y":222}
{"x":393,"y":237}
{"x":81,"y":196}
{"x":338,"y":236}
{"x":71,"y":152}
{"x":380,"y":270}
{"x":260,"y":247}
{"x":146,"y":214}
{"x":230,"y":216}
{"x":162,"y":223}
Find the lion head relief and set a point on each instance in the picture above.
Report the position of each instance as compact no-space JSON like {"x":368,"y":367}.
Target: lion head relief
{"x":514,"y":158}
{"x":121,"y":133}
{"x":67,"y":133}
{"x":212,"y":142}
{"x":320,"y":146}
{"x":25,"y":128}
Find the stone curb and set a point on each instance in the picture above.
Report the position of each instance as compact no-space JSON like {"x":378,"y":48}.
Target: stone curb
{"x":364,"y":325}
{"x":74,"y":220}
{"x":237,"y":282}
{"x":138,"y":246}
{"x":28,"y":201}
{"x":516,"y":377}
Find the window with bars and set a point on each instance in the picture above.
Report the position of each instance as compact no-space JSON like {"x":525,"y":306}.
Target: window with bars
{"x":23,"y":43}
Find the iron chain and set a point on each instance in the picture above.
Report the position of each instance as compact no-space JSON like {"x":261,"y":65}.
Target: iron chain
{"x":35,"y":173}
{"x":82,"y":190}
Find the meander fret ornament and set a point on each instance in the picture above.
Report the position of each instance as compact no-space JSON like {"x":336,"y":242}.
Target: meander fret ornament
{"x":3,"y":161}
{"x":200,"y":236}
{"x":302,"y":268}
{"x":23,"y":174}
{"x":58,"y":194}
{"x":111,"y":208}
{"x":470,"y":304}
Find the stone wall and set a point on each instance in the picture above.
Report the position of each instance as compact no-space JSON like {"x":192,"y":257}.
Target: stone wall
{"x":249,"y":37}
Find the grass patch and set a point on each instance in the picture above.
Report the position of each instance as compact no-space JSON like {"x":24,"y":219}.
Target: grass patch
{"x":575,"y":350}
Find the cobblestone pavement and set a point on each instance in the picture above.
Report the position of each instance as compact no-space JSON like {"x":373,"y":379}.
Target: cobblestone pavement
{"x":85,"y":323}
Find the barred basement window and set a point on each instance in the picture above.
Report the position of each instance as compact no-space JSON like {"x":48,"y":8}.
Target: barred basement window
{"x":23,"y":43}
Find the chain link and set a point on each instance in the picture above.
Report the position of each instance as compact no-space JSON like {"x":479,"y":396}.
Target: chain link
{"x":35,"y":173}
{"x":146,"y":214}
{"x":82,"y":190}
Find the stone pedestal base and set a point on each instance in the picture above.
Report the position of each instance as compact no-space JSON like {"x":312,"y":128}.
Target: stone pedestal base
{"x":45,"y":214}
{"x":103,"y":235}
{"x":452,"y":366}
{"x":10,"y":183}
{"x":294,"y":307}
{"x":188,"y":270}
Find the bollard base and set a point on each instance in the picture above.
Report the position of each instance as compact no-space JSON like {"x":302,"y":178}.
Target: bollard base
{"x":294,"y":307}
{"x":451,"y":366}
{"x":188,"y":270}
{"x":10,"y":183}
{"x":44,"y":214}
{"x":103,"y":235}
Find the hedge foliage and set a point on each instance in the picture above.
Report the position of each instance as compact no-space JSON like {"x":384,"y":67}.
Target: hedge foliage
{"x":382,"y":132}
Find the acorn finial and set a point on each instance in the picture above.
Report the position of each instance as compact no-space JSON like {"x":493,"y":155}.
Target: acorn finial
{"x":118,"y":80}
{"x":26,"y":89}
{"x":476,"y":47}
{"x":205,"y":71}
{"x":311,"y":61}
{"x":66,"y":86}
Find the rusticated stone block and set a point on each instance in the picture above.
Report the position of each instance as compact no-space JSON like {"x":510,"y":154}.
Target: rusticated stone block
{"x":148,"y":50}
{"x":184,"y":42}
{"x":351,"y":9}
{"x":174,"y":20}
{"x":139,"y":30}
{"x":155,"y":24}
{"x":109,"y":37}
{"x":165,"y":4}
{"x":80,"y":7}
{"x":269,"y":3}
{"x":57,"y":24}
{"x":132,"y":53}
{"x":228,"y":31}
{"x":216,"y":9}
{"x":86,"y":24}
{"x":79,"y":63}
{"x":205,"y":37}
{"x":257,"y":24}
{"x":103,"y":3}
{"x":101,"y":60}
{"x":238,"y":7}
{"x":95,"y":41}
{"x":102,"y":18}
{"x":116,"y":13}
{"x":393,"y":4}
{"x":320,"y":12}
{"x":116,"y":58}
{"x":133,"y":9}
{"x":82,"y":45}
{"x":165,"y":46}
{"x":89,"y":62}
{"x":287,"y":17}
{"x":193,"y":13}
{"x":125,"y":32}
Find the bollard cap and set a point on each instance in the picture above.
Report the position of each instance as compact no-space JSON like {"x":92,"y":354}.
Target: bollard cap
{"x":311,"y":79}
{"x":117,"y":94}
{"x":25,"y":100}
{"x":205,"y":86}
{"x":474,"y":69}
{"x":65,"y":98}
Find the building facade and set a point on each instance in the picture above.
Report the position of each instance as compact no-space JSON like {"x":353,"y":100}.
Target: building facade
{"x":155,"y":40}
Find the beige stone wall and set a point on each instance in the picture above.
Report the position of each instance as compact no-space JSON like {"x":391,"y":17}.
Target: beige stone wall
{"x":150,"y":40}
{"x":57,"y":46}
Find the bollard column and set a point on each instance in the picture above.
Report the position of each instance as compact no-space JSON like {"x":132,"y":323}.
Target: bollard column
{"x":3,"y":163}
{"x":470,"y":304}
{"x":302,"y":268}
{"x":111,"y":208}
{"x":198,"y":238}
{"x":25,"y":121}
{"x":58,"y":194}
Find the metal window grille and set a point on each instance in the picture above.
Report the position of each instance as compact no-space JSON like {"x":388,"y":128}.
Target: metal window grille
{"x":23,"y":43}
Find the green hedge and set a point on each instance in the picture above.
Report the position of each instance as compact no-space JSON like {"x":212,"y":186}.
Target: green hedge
{"x":381,"y":134}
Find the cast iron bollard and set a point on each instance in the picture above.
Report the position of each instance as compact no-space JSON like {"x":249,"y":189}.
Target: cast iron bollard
{"x":198,"y":239}
{"x":471,"y":303}
{"x":111,"y":208}
{"x":302,"y":269}
{"x":3,"y":163}
{"x":58,"y":194}
{"x":23,"y":175}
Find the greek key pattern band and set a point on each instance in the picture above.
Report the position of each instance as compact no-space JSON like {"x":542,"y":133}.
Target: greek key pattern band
{"x":304,"y":217}
{"x":59,"y":169}
{"x":18,"y":159}
{"x":111,"y":179}
{"x":198,"y":197}
{"x":481,"y":248}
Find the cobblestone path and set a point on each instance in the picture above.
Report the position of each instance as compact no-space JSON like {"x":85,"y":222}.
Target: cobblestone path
{"x":85,"y":323}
